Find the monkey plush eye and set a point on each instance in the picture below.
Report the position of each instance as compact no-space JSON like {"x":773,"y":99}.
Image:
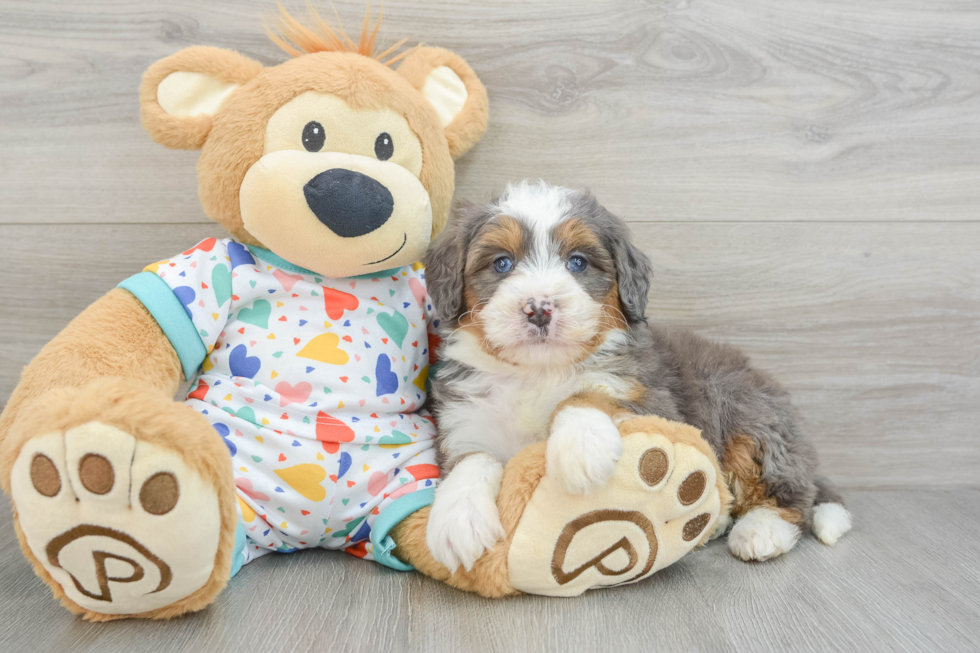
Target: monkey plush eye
{"x":384,"y":147}
{"x":503,"y":264}
{"x":576,"y":263}
{"x":313,"y":136}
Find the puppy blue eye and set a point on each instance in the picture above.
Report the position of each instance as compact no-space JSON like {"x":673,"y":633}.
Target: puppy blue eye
{"x":576,"y":263}
{"x":503,"y":264}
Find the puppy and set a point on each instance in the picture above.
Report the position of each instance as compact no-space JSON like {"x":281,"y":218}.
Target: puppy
{"x":543,"y":300}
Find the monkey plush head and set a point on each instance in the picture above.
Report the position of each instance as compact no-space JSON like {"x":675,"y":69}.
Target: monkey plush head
{"x":331,"y":160}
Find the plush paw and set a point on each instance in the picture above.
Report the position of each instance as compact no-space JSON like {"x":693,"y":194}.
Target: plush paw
{"x":725,"y":522}
{"x":583,"y":448}
{"x":662,"y":499}
{"x":122,"y":525}
{"x":463,"y":521}
{"x":761,"y":534}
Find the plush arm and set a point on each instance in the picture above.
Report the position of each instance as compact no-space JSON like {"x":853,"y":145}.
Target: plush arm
{"x":115,"y":336}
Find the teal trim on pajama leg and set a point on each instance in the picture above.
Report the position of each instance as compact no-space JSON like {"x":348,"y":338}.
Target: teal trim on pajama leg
{"x":399,"y":509}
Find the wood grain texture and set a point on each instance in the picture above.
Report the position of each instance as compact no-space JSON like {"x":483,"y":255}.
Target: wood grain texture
{"x":804,"y":176}
{"x":670,"y":109}
{"x":872,"y":327}
{"x":906,"y":579}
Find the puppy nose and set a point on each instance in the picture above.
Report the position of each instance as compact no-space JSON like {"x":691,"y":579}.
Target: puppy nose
{"x":538,"y":311}
{"x":349,"y":203}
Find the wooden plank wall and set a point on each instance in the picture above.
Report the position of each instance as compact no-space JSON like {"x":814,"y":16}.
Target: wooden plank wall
{"x":806,"y":177}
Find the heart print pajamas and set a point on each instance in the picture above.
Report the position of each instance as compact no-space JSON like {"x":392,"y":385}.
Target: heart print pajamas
{"x":316,"y":385}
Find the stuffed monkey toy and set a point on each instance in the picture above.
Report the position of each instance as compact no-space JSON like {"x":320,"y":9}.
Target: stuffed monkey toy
{"x":306,"y":337}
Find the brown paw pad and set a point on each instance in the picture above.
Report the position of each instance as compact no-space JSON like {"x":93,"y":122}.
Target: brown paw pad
{"x":654,"y":466}
{"x":159,"y":493}
{"x":44,"y":476}
{"x":694,"y":527}
{"x":96,"y":474}
{"x":692,"y":488}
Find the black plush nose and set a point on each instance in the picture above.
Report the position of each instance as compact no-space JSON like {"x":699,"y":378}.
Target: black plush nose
{"x":349,"y":203}
{"x":538,"y":312}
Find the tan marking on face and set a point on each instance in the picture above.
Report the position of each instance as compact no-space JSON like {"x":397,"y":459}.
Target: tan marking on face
{"x":611,"y":319}
{"x":574,"y":234}
{"x":502,"y":235}
{"x":744,"y":473}
{"x":470,"y":322}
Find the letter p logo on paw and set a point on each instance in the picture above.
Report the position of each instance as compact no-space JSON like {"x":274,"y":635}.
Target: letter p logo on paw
{"x":111,"y":552}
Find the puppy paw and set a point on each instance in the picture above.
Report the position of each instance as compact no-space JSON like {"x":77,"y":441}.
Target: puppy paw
{"x":830,"y":522}
{"x":464,"y":521}
{"x":762,"y":534}
{"x":583,"y":449}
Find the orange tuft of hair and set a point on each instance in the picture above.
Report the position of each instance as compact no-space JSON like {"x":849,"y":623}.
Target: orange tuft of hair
{"x":319,"y":35}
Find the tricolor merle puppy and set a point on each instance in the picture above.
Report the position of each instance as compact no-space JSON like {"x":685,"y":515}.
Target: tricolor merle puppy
{"x":543,"y":299}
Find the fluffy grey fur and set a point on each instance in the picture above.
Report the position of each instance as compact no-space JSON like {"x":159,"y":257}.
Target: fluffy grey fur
{"x":687,"y":378}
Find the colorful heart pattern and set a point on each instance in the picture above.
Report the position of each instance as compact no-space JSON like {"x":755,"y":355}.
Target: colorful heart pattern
{"x":257,"y":314}
{"x":313,"y":385}
{"x":293,"y":394}
{"x":336,"y":302}
{"x":326,"y":349}
{"x":395,"y":325}
{"x":387,"y":380}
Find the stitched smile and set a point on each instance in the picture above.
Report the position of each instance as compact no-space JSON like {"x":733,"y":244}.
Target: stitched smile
{"x":404,"y":240}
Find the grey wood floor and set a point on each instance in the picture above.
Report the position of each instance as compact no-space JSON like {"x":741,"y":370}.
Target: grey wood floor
{"x":805,"y":177}
{"x":904,"y":580}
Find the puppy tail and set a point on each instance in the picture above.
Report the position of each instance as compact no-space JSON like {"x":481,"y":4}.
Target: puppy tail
{"x":826,"y":492}
{"x":830,"y":518}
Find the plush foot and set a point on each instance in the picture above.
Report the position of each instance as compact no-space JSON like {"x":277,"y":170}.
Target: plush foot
{"x":761,"y":534}
{"x":662,"y":499}
{"x":121,"y":525}
{"x":724,"y":522}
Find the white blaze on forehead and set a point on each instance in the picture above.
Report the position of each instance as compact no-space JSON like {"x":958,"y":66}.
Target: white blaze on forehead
{"x":540,"y":206}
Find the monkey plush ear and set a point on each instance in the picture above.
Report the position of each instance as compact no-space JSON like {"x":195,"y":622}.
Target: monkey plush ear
{"x":180,"y":93}
{"x":457,"y":94}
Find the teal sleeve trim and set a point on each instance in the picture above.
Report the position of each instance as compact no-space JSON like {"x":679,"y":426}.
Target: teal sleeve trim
{"x":399,"y":509}
{"x":238,"y":555}
{"x":172,"y":317}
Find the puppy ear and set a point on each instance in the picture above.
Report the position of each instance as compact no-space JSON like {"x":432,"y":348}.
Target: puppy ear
{"x":180,"y":93}
{"x":633,"y":273}
{"x":454,"y":90}
{"x":444,"y":263}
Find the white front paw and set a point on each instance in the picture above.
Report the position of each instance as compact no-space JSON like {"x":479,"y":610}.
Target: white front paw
{"x":583,"y":449}
{"x":761,"y":534}
{"x":464,"y":521}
